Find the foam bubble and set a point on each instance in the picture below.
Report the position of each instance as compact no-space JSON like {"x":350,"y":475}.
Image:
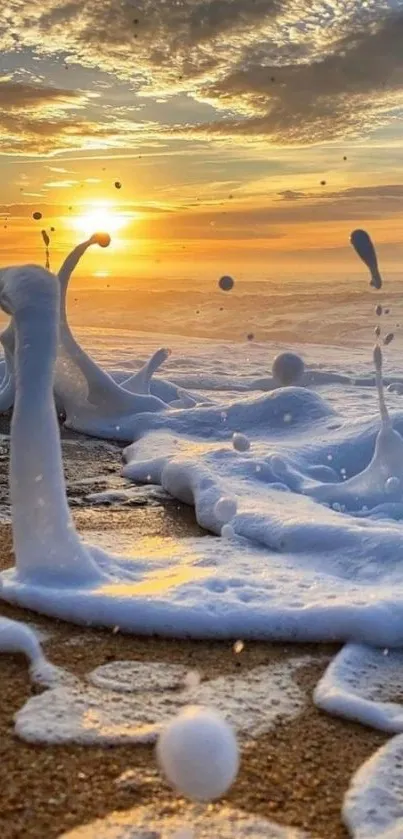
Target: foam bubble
{"x":288,"y":368}
{"x":240,"y":442}
{"x":225,"y":509}
{"x":198,"y":754}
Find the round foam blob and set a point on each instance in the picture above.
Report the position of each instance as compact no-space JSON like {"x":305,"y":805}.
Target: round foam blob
{"x":225,"y":508}
{"x":198,"y":754}
{"x":102,"y":239}
{"x":288,"y":368}
{"x":240,"y":442}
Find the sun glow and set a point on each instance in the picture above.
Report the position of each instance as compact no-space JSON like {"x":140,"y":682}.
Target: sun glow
{"x":99,"y":218}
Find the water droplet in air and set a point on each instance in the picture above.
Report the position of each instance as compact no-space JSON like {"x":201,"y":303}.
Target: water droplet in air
{"x":363,"y":246}
{"x":226,"y":283}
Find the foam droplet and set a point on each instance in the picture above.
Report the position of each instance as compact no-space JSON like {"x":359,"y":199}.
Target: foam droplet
{"x":227,"y":532}
{"x":240,"y":442}
{"x":392,"y":485}
{"x":198,"y":754}
{"x":225,"y":509}
{"x":288,"y":368}
{"x":363,"y":246}
{"x":226,"y":283}
{"x":101,"y":239}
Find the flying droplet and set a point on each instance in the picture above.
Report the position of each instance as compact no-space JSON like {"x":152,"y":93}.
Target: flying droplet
{"x":388,"y":338}
{"x":226,"y":283}
{"x":37,"y":215}
{"x":101,"y":239}
{"x":377,"y":331}
{"x":238,"y":647}
{"x":45,"y":238}
{"x":323,"y":183}
{"x":118,"y":185}
{"x":363,"y":246}
{"x":250,"y":336}
{"x":378,"y":310}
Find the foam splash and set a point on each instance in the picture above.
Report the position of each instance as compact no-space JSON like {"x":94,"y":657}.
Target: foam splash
{"x":373,"y":807}
{"x":365,"y":684}
{"x":17,"y":637}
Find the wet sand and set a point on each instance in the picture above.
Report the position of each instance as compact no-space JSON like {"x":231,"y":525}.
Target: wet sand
{"x":295,"y":775}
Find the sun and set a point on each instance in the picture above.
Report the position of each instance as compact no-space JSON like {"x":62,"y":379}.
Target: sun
{"x":102,"y":218}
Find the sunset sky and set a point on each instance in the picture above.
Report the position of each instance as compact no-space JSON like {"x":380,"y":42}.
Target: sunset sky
{"x":252,"y":133}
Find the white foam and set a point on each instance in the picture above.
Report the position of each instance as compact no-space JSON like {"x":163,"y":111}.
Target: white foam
{"x":146,"y":823}
{"x":373,"y":805}
{"x":17,"y":637}
{"x":364,"y":683}
{"x":129,"y":702}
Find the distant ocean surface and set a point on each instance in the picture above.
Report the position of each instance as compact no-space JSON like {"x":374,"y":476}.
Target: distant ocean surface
{"x":334,"y":311}
{"x":330,"y":322}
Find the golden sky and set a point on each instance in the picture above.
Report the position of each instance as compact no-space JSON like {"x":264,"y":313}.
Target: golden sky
{"x":245,"y":134}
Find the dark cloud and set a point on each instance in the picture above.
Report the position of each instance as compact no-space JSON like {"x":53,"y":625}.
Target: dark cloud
{"x":291,"y":195}
{"x":16,"y":96}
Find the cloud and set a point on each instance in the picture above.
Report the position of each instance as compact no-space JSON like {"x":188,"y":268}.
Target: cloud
{"x":39,"y":118}
{"x":37,"y":134}
{"x":291,"y":195}
{"x":22,"y":96}
{"x":60,"y":184}
{"x":290,"y":72}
